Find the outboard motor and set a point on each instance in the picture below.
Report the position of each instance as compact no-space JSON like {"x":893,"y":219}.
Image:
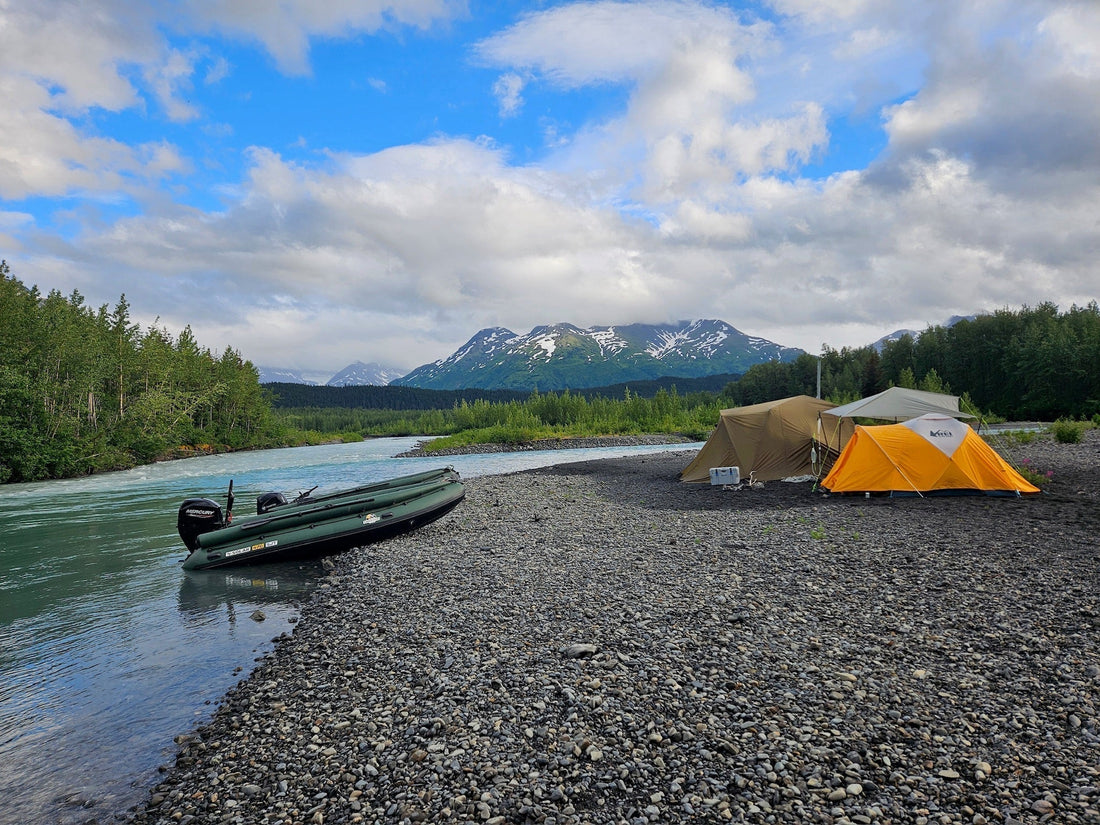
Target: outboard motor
{"x":198,"y":516}
{"x":266,"y":502}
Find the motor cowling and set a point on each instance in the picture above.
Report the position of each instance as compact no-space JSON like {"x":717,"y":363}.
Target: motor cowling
{"x":198,"y":516}
{"x":266,"y":502}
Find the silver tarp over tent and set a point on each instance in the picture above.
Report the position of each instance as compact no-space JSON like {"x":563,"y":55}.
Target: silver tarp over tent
{"x":900,"y":404}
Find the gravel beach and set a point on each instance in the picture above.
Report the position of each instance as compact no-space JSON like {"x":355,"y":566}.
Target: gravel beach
{"x":599,"y":643}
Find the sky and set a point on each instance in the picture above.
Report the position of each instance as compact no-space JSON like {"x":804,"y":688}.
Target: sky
{"x":315,"y":184}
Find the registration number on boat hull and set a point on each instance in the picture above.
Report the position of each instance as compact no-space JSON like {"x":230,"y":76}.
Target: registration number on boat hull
{"x":263,"y":545}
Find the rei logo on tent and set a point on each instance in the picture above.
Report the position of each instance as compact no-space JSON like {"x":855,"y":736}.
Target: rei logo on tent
{"x":942,"y":432}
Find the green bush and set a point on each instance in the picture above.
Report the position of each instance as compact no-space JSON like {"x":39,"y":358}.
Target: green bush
{"x":1068,"y":432}
{"x":1034,"y":474}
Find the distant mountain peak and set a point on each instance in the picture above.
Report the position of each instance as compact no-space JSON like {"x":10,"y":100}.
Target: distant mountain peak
{"x":360,"y":374}
{"x":914,"y":333}
{"x":896,"y":335}
{"x":282,"y":375}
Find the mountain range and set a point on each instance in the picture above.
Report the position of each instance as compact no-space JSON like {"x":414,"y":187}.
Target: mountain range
{"x":564,"y":356}
{"x":357,"y":374}
{"x":361,"y":375}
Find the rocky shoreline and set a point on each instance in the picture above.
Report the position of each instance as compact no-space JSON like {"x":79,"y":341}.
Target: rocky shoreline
{"x":599,"y":643}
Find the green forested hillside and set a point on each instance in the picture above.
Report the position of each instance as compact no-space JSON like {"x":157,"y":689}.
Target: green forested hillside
{"x":84,"y":390}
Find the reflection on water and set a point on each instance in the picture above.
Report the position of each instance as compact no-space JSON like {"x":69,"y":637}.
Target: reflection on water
{"x":205,"y":592}
{"x":108,"y":649}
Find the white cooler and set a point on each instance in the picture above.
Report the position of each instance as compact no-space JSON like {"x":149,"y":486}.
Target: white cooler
{"x":725,"y":475}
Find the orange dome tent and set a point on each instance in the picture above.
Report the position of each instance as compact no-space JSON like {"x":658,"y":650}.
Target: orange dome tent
{"x":929,"y":455}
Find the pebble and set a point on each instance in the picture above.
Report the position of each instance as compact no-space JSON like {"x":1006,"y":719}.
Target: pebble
{"x":599,"y":643}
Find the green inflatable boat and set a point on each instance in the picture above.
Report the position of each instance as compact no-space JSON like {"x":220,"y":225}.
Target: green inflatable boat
{"x":310,"y":525}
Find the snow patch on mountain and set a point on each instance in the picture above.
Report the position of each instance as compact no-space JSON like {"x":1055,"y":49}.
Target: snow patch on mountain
{"x":547,"y":343}
{"x":608,"y":340}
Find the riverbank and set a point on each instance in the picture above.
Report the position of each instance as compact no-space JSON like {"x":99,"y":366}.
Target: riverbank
{"x":550,"y":444}
{"x":599,"y":643}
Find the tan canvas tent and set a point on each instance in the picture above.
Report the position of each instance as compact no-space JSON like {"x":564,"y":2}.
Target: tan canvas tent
{"x":929,"y":455}
{"x":771,"y":441}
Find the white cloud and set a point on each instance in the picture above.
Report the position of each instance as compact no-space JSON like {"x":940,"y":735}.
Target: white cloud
{"x":76,"y":50}
{"x":414,"y":234}
{"x":167,"y":79}
{"x":1073,"y":33}
{"x":41,"y":154}
{"x":827,"y":12}
{"x":12,"y":223}
{"x":509,"y":92}
{"x":285,"y":27}
{"x":862,"y":43}
{"x":218,"y":70}
{"x":1022,"y":107}
{"x":684,"y":122}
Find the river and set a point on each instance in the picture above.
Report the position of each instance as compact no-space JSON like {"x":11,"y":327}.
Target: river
{"x":109,"y":650}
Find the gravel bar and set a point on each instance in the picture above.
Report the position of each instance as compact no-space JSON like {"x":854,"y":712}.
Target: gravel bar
{"x":599,"y":643}
{"x":581,"y":442}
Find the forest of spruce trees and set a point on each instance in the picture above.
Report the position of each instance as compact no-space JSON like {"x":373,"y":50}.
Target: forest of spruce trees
{"x":84,"y":390}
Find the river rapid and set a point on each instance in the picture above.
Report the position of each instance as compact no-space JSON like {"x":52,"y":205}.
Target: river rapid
{"x":109,"y":650}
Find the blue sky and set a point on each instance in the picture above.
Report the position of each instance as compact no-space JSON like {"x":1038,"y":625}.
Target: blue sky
{"x":315,"y":184}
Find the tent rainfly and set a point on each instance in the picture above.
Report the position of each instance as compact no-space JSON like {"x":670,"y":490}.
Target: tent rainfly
{"x":770,"y":441}
{"x":894,"y":404}
{"x":929,"y":455}
{"x":900,"y":404}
